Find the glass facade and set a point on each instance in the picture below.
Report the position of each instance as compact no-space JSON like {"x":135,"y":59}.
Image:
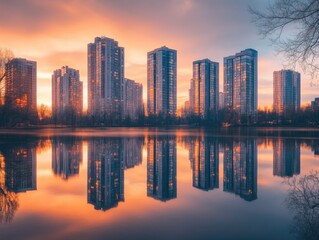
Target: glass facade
{"x":228,"y":82}
{"x":286,"y":87}
{"x":133,"y":99}
{"x":205,"y":88}
{"x":21,"y":84}
{"x":67,"y":91}
{"x":105,"y":78}
{"x":240,"y":83}
{"x":161,"y":81}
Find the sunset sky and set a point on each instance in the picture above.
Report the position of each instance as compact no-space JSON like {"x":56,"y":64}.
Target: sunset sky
{"x":56,"y":33}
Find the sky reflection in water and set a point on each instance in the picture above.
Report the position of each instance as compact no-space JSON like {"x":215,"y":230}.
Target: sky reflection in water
{"x":176,"y":184}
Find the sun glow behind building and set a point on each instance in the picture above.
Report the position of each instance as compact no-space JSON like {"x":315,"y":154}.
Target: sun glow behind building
{"x":52,"y":46}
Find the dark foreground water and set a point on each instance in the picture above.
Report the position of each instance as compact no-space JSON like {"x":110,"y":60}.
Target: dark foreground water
{"x":157,"y":184}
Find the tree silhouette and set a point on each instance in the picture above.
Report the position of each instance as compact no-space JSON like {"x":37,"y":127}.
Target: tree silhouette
{"x":292,"y":26}
{"x":9,"y":202}
{"x":303,"y":201}
{"x":8,"y":205}
{"x":5,"y":56}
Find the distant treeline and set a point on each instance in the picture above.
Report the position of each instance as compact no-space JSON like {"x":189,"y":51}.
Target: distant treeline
{"x":14,"y":118}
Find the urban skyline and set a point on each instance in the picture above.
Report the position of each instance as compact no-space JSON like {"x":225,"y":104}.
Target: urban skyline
{"x":114,"y":95}
{"x":53,"y":47}
{"x":170,"y":119}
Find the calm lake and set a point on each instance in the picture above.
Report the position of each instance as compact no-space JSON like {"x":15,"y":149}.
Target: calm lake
{"x":132,"y":183}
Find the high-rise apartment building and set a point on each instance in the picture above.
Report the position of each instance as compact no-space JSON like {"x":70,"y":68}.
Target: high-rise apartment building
{"x":133,"y":99}
{"x":286,"y":91}
{"x":240,"y":83}
{"x":21,"y":84}
{"x":105,"y":78}
{"x":161,"y":81}
{"x":67,"y":91}
{"x":205,"y":88}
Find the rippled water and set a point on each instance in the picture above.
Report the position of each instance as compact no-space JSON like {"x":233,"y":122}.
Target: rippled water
{"x":153,"y":184}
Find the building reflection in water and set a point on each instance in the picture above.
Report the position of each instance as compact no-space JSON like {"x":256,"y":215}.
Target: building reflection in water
{"x":17,"y":174}
{"x":204,"y":157}
{"x":161,"y":167}
{"x":20,"y":167}
{"x":132,"y":151}
{"x":107,"y":159}
{"x":315,"y":147}
{"x":67,"y":155}
{"x":286,"y":157}
{"x":302,"y":202}
{"x":240,"y":168}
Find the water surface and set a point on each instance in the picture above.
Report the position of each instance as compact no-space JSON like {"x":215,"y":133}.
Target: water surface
{"x":152,"y":184}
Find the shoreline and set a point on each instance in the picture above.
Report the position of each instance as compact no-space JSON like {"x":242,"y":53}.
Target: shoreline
{"x":268,"y":132}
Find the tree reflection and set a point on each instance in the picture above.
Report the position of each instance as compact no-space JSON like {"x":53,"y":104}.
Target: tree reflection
{"x":303,"y":201}
{"x":9,"y":202}
{"x":8,"y":205}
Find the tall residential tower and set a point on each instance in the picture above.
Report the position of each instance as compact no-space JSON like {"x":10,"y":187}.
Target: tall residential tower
{"x":240,"y":83}
{"x":161,"y":81}
{"x":133,"y":99}
{"x":21,"y":84}
{"x":286,"y":91}
{"x":67,"y":91}
{"x":205,"y":88}
{"x":105,"y":78}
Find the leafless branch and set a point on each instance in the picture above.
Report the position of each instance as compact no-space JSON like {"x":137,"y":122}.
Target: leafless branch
{"x":303,"y":201}
{"x":8,"y":205}
{"x":293,"y":27}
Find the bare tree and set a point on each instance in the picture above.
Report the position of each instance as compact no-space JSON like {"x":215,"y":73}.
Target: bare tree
{"x":303,"y":201}
{"x":5,"y":56}
{"x":293,"y":27}
{"x":9,"y":202}
{"x":8,"y":205}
